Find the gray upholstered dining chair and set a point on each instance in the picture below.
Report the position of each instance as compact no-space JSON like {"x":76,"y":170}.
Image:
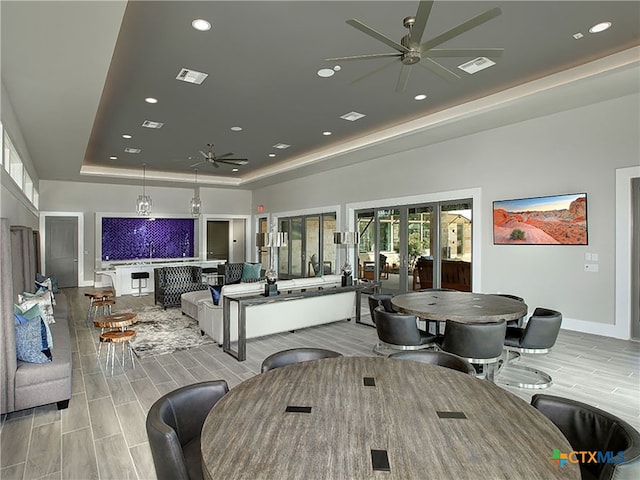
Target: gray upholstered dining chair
{"x":590,"y":429}
{"x":380,"y":299}
{"x":399,"y":331}
{"x":518,"y":322}
{"x":479,"y":343}
{"x":174,"y":425}
{"x":437,"y":357}
{"x":536,"y":338}
{"x":295,"y":355}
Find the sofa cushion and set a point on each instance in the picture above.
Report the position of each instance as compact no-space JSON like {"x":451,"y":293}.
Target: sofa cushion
{"x":31,"y":342}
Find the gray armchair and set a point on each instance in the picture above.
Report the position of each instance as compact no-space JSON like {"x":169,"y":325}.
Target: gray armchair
{"x":171,"y":282}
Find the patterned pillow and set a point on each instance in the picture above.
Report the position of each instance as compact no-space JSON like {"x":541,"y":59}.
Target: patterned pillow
{"x":233,"y":273}
{"x":33,"y":312}
{"x":45,"y":302}
{"x":31,"y":338}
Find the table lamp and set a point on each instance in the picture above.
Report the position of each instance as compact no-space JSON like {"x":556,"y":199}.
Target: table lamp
{"x":347,"y":239}
{"x":271,"y":240}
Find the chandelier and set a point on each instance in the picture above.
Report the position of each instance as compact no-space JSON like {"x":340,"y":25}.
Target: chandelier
{"x":143,"y":204}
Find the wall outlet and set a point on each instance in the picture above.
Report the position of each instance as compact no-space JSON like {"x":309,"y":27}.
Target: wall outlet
{"x":587,"y":257}
{"x":591,"y":267}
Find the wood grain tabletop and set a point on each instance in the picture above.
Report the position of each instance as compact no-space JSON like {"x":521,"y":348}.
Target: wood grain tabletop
{"x":464,"y":307}
{"x":431,"y":421}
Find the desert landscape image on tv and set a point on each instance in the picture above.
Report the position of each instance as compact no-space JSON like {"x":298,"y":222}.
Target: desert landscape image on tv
{"x":552,"y":220}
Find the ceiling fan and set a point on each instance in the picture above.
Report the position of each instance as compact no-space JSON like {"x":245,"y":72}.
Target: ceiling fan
{"x":411,"y":52}
{"x":215,"y":160}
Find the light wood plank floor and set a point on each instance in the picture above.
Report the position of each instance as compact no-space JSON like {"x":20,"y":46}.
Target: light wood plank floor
{"x":102,"y":433}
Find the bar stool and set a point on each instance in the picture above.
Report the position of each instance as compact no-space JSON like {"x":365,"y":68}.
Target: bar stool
{"x":100,"y":308}
{"x":112,"y":338}
{"x":139,"y":276}
{"x":97,"y":295}
{"x":117,"y":321}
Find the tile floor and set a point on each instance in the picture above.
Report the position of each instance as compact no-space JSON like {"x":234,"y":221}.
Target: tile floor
{"x":102,"y":433}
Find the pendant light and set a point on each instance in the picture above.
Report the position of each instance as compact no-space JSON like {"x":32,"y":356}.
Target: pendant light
{"x":143,"y":204}
{"x":196,"y":204}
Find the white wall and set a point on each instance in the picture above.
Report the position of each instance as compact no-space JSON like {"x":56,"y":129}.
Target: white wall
{"x":92,"y":198}
{"x":568,"y":152}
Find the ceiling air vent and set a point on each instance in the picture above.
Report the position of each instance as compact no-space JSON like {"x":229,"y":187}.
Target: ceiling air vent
{"x":477,"y":64}
{"x":132,"y":150}
{"x":191,"y":76}
{"x":352,"y":116}
{"x":151,"y":124}
{"x":281,"y":146}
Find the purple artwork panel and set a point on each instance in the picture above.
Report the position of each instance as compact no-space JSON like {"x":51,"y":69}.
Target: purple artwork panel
{"x":135,"y":238}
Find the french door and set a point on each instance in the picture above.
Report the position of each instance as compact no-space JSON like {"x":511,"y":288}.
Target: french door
{"x":393,"y":240}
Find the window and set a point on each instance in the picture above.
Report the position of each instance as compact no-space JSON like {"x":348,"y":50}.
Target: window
{"x":15,"y":167}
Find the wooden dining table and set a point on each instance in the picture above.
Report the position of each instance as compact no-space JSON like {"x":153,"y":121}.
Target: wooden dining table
{"x":465,"y":307}
{"x":373,"y":417}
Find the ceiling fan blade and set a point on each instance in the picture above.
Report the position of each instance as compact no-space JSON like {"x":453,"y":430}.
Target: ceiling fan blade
{"x":422,"y":15}
{"x":460,"y":29}
{"x":363,"y":57}
{"x":196,"y":164}
{"x":373,"y":72}
{"x":403,"y":78}
{"x":218,"y":157}
{"x":377,"y":35}
{"x":204,"y":155}
{"x":234,"y":161}
{"x":465,"y":52}
{"x":214,"y":163}
{"x":438,"y":69}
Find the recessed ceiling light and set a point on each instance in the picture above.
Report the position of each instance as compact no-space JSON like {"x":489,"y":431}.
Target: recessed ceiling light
{"x":126,"y":135}
{"x":132,"y":150}
{"x":152,"y":124}
{"x":421,"y":96}
{"x":272,"y":155}
{"x":477,"y":64}
{"x":236,"y":129}
{"x":113,"y":157}
{"x":234,"y":170}
{"x":337,"y":68}
{"x":191,"y":76}
{"x":352,"y":116}
{"x":281,"y":146}
{"x":201,"y":25}
{"x":151,"y":100}
{"x":327,"y":133}
{"x":326,"y":72}
{"x":600,"y":27}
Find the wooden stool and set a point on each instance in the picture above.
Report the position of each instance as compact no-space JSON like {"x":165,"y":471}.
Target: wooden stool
{"x":97,"y":295}
{"x":112,"y":338}
{"x":102,"y":307}
{"x":117,"y":321}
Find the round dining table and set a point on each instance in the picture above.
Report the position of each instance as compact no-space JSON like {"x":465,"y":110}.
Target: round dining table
{"x":373,"y":417}
{"x":465,"y":307}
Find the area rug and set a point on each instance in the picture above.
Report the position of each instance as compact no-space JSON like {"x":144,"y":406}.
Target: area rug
{"x":160,"y":331}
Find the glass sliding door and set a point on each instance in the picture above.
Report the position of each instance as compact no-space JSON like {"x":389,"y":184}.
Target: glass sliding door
{"x":455,"y":245}
{"x":417,"y":246}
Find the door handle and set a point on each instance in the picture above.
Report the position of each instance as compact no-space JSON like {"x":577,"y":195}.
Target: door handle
{"x":75,"y":259}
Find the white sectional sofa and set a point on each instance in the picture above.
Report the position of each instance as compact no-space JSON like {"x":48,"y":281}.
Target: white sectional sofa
{"x":274,"y":317}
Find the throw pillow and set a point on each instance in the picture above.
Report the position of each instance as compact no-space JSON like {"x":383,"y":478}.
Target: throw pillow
{"x":215,"y":293}
{"x":251,"y":271}
{"x":17,"y":319}
{"x":34,"y":312}
{"x":45,"y":304}
{"x":51,"y":282}
{"x":29,"y":346}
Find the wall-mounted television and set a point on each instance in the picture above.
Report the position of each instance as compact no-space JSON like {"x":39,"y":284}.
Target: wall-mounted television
{"x":549,"y":220}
